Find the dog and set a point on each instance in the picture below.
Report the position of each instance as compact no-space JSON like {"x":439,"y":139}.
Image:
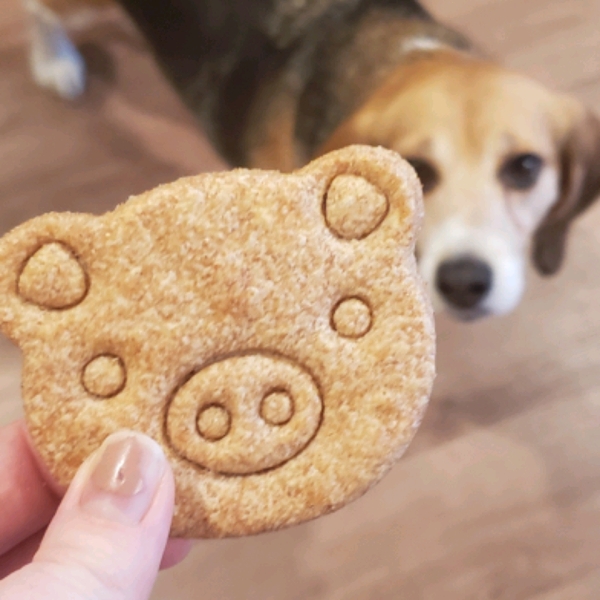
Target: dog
{"x":506,"y":164}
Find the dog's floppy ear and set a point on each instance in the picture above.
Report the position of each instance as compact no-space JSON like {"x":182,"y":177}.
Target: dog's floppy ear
{"x":579,"y":184}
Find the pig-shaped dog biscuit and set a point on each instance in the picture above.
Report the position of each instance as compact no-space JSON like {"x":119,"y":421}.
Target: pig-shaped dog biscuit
{"x":269,"y":330}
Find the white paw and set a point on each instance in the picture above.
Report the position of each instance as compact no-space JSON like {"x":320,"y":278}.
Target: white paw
{"x":63,"y":72}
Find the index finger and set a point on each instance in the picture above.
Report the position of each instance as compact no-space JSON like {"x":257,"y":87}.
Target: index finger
{"x":27,"y":499}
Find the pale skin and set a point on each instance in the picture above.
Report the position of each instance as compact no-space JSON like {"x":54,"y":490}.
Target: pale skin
{"x":88,"y":544}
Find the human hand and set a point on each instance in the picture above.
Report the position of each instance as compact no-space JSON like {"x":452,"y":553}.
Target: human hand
{"x":105,"y":540}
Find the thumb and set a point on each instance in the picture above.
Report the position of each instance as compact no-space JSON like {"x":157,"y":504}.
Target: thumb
{"x":109,"y":533}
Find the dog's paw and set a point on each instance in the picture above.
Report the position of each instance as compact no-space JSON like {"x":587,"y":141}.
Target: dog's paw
{"x":270,"y":331}
{"x":59,"y":67}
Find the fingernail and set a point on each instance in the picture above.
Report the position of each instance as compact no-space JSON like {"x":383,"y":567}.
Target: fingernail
{"x":124,"y":478}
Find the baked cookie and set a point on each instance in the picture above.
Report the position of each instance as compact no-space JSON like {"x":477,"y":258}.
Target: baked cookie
{"x":269,"y":330}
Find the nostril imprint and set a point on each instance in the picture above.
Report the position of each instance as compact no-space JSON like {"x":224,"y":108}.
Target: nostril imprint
{"x":277,"y":408}
{"x":104,"y":376}
{"x":352,"y":318}
{"x":214,"y":422}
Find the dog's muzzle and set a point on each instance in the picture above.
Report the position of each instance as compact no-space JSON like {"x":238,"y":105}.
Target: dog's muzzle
{"x":471,"y":272}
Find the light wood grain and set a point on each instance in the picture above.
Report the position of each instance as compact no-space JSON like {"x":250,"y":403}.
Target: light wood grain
{"x":499,"y":496}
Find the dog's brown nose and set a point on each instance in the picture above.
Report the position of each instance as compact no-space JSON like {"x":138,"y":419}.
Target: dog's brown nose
{"x":464,"y":282}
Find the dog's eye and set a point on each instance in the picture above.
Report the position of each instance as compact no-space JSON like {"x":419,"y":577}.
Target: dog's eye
{"x":522,"y":171}
{"x":426,"y":172}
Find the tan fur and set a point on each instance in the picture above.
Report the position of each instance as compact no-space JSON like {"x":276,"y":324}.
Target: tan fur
{"x":270,"y":137}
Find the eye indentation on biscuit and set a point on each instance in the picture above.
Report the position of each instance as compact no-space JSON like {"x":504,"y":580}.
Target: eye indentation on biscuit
{"x":52,"y":278}
{"x":277,"y":407}
{"x":268,"y":410}
{"x":214,"y":422}
{"x":352,"y":317}
{"x":353,"y":207}
{"x":104,"y":376}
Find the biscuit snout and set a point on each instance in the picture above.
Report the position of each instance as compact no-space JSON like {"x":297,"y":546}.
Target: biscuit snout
{"x":244,"y":414}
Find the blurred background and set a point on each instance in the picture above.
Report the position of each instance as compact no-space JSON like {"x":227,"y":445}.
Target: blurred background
{"x":499,"y":495}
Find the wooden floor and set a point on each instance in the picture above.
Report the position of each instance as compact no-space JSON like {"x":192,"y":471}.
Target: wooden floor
{"x":499,"y":496}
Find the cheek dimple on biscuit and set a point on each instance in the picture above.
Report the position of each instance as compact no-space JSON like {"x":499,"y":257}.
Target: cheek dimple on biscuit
{"x":352,"y":317}
{"x":269,"y":331}
{"x":104,"y":376}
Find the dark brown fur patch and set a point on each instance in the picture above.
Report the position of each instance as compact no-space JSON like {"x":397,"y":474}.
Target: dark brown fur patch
{"x":224,"y":53}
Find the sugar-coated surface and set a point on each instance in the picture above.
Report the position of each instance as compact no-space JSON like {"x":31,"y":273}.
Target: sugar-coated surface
{"x":228,"y":282}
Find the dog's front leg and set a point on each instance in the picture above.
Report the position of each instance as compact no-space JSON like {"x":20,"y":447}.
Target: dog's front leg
{"x":55,"y":62}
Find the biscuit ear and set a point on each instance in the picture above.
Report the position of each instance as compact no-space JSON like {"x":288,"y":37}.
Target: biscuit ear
{"x":579,"y":184}
{"x":40,"y":271}
{"x":387,"y":177}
